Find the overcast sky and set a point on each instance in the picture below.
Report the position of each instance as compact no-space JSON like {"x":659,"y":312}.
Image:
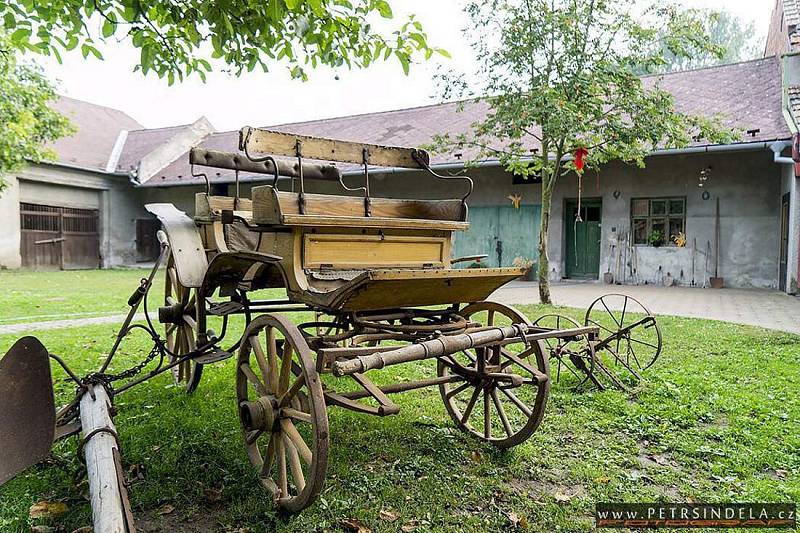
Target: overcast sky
{"x":260,"y":99}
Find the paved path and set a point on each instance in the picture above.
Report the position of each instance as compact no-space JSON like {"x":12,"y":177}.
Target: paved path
{"x":25,"y":327}
{"x":768,"y":309}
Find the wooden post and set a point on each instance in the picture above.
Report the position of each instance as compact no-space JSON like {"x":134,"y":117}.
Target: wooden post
{"x":108,"y":494}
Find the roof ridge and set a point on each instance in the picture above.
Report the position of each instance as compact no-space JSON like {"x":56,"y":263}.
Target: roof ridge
{"x":711,"y":67}
{"x":163,"y":128}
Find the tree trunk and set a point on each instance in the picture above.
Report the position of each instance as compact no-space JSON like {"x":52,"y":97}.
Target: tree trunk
{"x":544,"y":261}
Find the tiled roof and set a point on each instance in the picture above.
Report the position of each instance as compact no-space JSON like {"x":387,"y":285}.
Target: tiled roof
{"x":141,"y":142}
{"x":98,"y":128}
{"x":791,"y":12}
{"x":747,"y":95}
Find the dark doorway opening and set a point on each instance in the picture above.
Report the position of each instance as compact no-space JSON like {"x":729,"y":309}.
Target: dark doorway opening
{"x":146,"y":241}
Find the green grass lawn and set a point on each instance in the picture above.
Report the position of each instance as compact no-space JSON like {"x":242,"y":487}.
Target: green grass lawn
{"x":718,"y":420}
{"x":40,"y":296}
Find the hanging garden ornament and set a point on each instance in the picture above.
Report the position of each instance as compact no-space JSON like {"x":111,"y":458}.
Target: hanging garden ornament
{"x":580,"y":154}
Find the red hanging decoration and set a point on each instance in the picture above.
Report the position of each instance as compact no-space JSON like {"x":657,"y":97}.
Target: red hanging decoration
{"x":580,"y":153}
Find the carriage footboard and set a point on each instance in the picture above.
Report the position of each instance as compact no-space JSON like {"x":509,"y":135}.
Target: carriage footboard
{"x":450,"y":344}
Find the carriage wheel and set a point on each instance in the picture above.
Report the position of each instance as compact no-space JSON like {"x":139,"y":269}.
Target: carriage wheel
{"x":574,"y":355}
{"x":482,"y":403}
{"x":282,"y":412}
{"x":629,"y":332}
{"x":181,"y":335}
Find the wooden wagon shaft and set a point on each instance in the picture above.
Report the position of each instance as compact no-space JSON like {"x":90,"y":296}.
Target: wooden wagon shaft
{"x":286,"y":144}
{"x":446,"y":345}
{"x":234,"y":161}
{"x":109,"y":498}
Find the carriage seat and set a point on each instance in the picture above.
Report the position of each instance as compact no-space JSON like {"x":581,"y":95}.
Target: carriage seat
{"x":208,"y":208}
{"x":279,"y":208}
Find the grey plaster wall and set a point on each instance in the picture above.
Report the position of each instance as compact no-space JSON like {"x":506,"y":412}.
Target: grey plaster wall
{"x":748,"y":185}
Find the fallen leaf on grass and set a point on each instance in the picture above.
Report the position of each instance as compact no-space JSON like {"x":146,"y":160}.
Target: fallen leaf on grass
{"x":476,"y":456}
{"x":389,"y":516}
{"x":602,"y":479}
{"x":166,"y":509}
{"x":560,"y":497}
{"x":355,"y":526}
{"x":520,"y":522}
{"x":212,"y":495}
{"x":409,"y":527}
{"x":45,"y":509}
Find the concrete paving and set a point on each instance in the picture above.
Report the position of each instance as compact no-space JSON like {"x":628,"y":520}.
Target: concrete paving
{"x":768,"y":309}
{"x":26,"y":327}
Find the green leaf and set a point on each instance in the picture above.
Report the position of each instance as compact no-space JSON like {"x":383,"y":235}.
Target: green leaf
{"x":108,"y":28}
{"x":20,"y":35}
{"x":383,"y":8}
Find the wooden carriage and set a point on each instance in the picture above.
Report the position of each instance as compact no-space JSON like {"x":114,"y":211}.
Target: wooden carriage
{"x":379,"y":275}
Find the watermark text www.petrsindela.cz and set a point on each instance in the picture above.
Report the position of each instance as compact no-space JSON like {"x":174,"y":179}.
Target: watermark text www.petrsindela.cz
{"x":691,"y":515}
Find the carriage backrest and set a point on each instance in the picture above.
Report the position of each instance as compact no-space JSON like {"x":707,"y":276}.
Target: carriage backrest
{"x":273,"y":207}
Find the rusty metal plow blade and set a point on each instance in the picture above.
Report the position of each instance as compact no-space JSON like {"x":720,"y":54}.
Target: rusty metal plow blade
{"x":27,"y":407}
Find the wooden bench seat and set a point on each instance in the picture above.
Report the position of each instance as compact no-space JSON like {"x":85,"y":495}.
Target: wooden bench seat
{"x":206,"y":207}
{"x":273,"y":207}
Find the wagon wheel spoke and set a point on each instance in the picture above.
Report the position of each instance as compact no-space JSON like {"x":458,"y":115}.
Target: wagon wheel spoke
{"x":298,"y":415}
{"x":261,"y":360}
{"x":516,"y":401}
{"x":470,"y":405}
{"x":283,"y":478}
{"x":253,"y":379}
{"x":294,"y":463}
{"x":501,"y":412}
{"x":292,"y":434}
{"x":286,"y":367}
{"x":266,"y":465}
{"x":653,"y":346}
{"x":458,"y":389}
{"x":287,"y":396}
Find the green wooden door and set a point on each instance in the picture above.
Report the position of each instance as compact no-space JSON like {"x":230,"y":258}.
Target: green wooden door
{"x":502,"y":232}
{"x":583,"y":240}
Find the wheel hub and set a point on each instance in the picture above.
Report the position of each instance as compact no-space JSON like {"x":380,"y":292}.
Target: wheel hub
{"x":260,"y":414}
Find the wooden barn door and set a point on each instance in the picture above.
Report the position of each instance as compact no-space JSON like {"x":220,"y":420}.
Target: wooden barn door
{"x":55,"y":238}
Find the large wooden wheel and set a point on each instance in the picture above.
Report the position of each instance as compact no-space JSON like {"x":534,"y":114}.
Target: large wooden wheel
{"x":502,"y":391}
{"x":282,"y":412}
{"x":181,"y":329}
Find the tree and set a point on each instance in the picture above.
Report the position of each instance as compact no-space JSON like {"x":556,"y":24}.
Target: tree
{"x":560,"y":77}
{"x":181,"y":38}
{"x":734,"y":36}
{"x":27,"y":122}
